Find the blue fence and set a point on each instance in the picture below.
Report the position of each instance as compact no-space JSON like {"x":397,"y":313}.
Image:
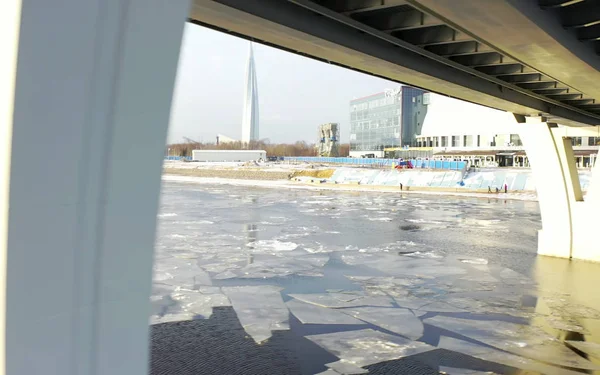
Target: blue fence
{"x":188,"y":158}
{"x":373,"y":162}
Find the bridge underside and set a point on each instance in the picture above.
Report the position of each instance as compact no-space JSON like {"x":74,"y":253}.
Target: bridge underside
{"x":504,"y":54}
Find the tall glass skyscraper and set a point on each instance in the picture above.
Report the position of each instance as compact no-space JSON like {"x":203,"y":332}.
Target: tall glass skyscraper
{"x":388,"y":119}
{"x":250,"y":115}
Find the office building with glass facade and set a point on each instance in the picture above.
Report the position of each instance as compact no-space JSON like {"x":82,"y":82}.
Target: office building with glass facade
{"x":392,"y":118}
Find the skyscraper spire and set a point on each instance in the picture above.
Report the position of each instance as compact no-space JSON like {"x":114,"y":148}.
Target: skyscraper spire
{"x":250,"y":114}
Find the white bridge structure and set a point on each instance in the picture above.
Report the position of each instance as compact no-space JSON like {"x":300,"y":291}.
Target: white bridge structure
{"x":85,"y":96}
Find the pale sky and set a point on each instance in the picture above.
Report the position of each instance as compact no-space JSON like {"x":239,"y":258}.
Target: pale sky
{"x":295,"y":93}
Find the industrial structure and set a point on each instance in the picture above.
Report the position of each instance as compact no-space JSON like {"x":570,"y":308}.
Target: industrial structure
{"x":223,"y":139}
{"x":392,"y":118}
{"x":250,"y":119}
{"x":228,"y":155}
{"x":328,"y":136}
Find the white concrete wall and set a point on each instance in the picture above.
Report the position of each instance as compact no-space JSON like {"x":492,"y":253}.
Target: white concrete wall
{"x":448,"y":116}
{"x":92,"y":94}
{"x":358,"y":154}
{"x":555,"y":236}
{"x":568,"y":220}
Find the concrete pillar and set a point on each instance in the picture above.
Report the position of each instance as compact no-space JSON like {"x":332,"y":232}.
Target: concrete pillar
{"x":85,"y":93}
{"x":584,"y":220}
{"x":548,"y":167}
{"x":568,"y":220}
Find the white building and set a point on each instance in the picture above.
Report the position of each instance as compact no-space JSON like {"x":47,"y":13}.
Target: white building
{"x":228,"y":155}
{"x":455,"y":129}
{"x":250,"y":123}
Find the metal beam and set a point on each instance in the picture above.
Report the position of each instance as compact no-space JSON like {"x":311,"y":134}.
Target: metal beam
{"x":349,"y":7}
{"x":547,"y":4}
{"x":476,"y":58}
{"x":569,"y":96}
{"x":459,"y":48}
{"x":582,"y":14}
{"x":394,"y":19}
{"x":578,"y":102}
{"x":495,"y":22}
{"x":590,"y":33}
{"x":533,"y":77}
{"x":556,"y":90}
{"x":491,"y":60}
{"x":532,"y":85}
{"x":504,"y":70}
{"x":431,"y":35}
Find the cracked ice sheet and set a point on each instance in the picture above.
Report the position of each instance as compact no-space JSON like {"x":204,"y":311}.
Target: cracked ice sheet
{"x":402,"y":265}
{"x":183,"y":275}
{"x":277,"y":266}
{"x":463,"y":371}
{"x":396,"y":320}
{"x":366,"y":346}
{"x":588,"y":347}
{"x":565,"y":324}
{"x":346,"y":368}
{"x":511,"y":277}
{"x":340,"y":300}
{"x":386,"y":286}
{"x":312,"y":314}
{"x":200,"y":302}
{"x":524,"y":340}
{"x":329,"y":372}
{"x":260,"y":309}
{"x":497,"y":356}
{"x":426,"y":305}
{"x":171,"y":317}
{"x":563,"y":307}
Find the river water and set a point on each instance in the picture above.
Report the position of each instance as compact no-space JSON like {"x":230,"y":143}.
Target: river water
{"x":275,"y":281}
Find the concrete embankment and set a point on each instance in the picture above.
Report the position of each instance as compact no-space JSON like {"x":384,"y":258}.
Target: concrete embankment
{"x":246,"y":171}
{"x":418,"y":181}
{"x":238,"y":174}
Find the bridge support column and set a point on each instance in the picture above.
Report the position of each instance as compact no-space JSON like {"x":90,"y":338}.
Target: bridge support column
{"x":584,"y":221}
{"x":550,"y":170}
{"x":567,"y":220}
{"x":85,"y":93}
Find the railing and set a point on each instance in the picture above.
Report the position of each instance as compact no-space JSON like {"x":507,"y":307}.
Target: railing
{"x":178,"y":158}
{"x":373,"y":162}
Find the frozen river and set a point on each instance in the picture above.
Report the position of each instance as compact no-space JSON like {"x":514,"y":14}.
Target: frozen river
{"x":267,"y":281}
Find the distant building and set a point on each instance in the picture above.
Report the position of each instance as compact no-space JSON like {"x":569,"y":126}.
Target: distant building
{"x":458,"y":130}
{"x":328,"y":138}
{"x":228,"y":155}
{"x":250,"y":123}
{"x":392,"y":118}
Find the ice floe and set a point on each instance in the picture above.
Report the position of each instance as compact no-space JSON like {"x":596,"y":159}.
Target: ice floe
{"x":524,"y":340}
{"x":397,"y":320}
{"x":313,"y":314}
{"x":260,"y":309}
{"x":498,"y":356}
{"x":346,"y":299}
{"x":366,"y":346}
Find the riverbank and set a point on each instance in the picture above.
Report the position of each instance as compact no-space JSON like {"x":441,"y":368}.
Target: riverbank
{"x":323,"y":177}
{"x":287,"y":184}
